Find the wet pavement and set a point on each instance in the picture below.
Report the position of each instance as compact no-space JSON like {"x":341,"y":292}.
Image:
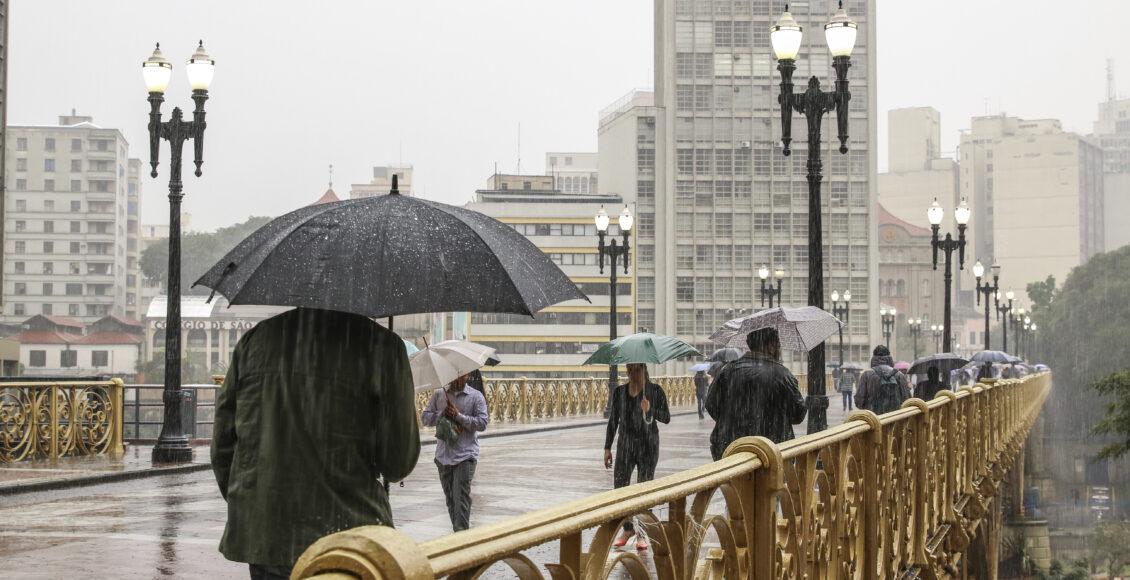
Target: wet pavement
{"x":67,"y":470}
{"x":170,"y":525}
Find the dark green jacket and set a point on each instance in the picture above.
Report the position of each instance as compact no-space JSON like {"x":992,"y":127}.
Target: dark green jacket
{"x":315,"y":406}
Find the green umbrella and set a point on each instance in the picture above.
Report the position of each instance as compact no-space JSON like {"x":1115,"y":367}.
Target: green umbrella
{"x":643,"y":347}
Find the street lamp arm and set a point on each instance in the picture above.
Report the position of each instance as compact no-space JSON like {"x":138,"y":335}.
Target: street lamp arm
{"x":786,"y":67}
{"x":842,"y":96}
{"x":155,"y":100}
{"x":197,"y":128}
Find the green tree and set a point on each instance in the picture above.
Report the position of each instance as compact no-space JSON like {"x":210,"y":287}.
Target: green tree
{"x":1116,"y":388}
{"x":199,"y":251}
{"x":1041,"y":293}
{"x":1111,"y":542}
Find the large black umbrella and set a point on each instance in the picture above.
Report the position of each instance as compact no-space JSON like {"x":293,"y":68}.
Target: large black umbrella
{"x":992,"y":356}
{"x":945,"y":361}
{"x":387,"y":256}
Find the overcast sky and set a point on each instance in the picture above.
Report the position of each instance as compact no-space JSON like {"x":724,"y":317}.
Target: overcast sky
{"x":444,"y":84}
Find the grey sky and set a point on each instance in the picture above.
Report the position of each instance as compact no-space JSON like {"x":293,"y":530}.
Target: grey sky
{"x":444,"y":84}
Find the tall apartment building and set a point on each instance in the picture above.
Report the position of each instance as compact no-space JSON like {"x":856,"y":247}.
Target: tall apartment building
{"x":1037,"y":196}
{"x":558,"y":339}
{"x":1112,"y":133}
{"x":717,"y":198}
{"x":382,"y":182}
{"x":573,"y":172}
{"x":72,"y":218}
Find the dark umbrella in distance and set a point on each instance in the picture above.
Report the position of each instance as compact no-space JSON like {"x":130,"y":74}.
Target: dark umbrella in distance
{"x":945,"y":361}
{"x":725,"y":355}
{"x":992,"y":356}
{"x":390,"y":255}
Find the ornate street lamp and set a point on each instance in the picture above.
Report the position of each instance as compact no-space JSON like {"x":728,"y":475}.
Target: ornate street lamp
{"x":988,"y":290}
{"x":769,"y":291}
{"x":915,"y":331}
{"x":1017,"y":318}
{"x":813,"y":103}
{"x":948,"y":245}
{"x":1006,"y":310}
{"x":888,"y":319}
{"x":172,"y":444}
{"x":615,"y":252}
{"x":937,"y":330}
{"x":842,"y":311}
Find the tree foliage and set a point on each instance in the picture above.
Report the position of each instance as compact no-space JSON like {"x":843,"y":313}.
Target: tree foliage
{"x":1116,"y":387}
{"x":1111,"y":542}
{"x":1041,"y":293}
{"x":199,"y":251}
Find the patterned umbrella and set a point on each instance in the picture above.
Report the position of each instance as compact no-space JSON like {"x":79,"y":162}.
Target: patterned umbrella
{"x":801,"y":329}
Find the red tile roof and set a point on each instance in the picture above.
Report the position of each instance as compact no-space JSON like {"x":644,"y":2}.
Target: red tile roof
{"x":46,"y":337}
{"x":64,"y":321}
{"x":124,"y":320}
{"x":328,"y":197}
{"x":109,"y":338}
{"x":887,"y":218}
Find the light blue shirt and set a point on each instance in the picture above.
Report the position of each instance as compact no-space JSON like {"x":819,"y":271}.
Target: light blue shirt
{"x":472,"y":417}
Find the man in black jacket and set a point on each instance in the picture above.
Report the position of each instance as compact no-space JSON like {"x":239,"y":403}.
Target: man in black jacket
{"x":881,"y":388}
{"x":754,"y":395}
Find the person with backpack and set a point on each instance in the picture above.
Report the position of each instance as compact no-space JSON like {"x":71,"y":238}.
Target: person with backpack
{"x":882,"y":388}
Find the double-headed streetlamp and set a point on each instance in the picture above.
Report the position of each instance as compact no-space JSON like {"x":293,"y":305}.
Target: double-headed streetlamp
{"x":615,"y":252}
{"x":937,"y":330}
{"x":887,"y":317}
{"x":961,"y":215}
{"x":767,"y":290}
{"x":172,"y":444}
{"x":813,"y":103}
{"x":1006,"y":310}
{"x":915,"y":331}
{"x":841,"y":310}
{"x":988,"y":290}
{"x":1018,"y":317}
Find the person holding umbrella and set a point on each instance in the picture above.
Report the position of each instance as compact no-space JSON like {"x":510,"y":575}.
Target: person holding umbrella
{"x":701,"y":382}
{"x":635,"y":413}
{"x":929,"y":388}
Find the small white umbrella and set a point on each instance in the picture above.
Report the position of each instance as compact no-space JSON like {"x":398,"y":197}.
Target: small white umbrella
{"x":439,"y":364}
{"x":800,"y":329}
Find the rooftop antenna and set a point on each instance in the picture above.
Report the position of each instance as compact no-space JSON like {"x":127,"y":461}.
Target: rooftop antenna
{"x":1111,"y":90}
{"x":518,"y":171}
{"x":331,"y":175}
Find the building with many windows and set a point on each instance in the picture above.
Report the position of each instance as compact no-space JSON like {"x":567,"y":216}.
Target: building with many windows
{"x":72,"y":206}
{"x":573,"y":172}
{"x":558,"y":339}
{"x":716,"y":196}
{"x":1112,"y":133}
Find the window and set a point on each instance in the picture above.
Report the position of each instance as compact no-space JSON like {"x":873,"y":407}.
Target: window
{"x":21,"y":247}
{"x":48,"y":289}
{"x":48,"y":185}
{"x":36,"y":358}
{"x":684,"y":97}
{"x":48,"y":309}
{"x":684,"y":257}
{"x":76,"y":227}
{"x":49,"y":144}
{"x":74,"y":247}
{"x":21,"y":205}
{"x":48,"y":247}
{"x":76,"y":165}
{"x":49,"y":165}
{"x":76,"y":185}
{"x":21,"y":184}
{"x":100,"y":358}
{"x":645,"y":160}
{"x":74,"y":289}
{"x":76,"y":206}
{"x":723,"y":224}
{"x":21,"y":164}
{"x":48,"y":205}
{"x":48,"y":268}
{"x":73,"y":310}
{"x":68,"y":358}
{"x":19,"y":267}
{"x":21,"y":144}
{"x":48,"y":227}
{"x":21,"y":288}
{"x":684,"y":289}
{"x":702,"y":161}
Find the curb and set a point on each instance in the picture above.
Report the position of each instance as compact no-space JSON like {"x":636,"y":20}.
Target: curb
{"x":118,"y":476}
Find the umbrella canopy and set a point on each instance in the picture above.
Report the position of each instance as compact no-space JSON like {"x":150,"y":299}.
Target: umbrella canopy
{"x":800,"y":329}
{"x":1041,"y":367}
{"x":700,"y":367}
{"x":439,"y":364}
{"x":946,"y":362}
{"x":853,"y":367}
{"x":642,"y":347}
{"x":410,"y":348}
{"x":725,"y":355}
{"x":902,"y":365}
{"x":992,"y":356}
{"x":390,"y":255}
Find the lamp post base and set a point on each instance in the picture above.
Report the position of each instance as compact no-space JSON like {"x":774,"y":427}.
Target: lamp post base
{"x":817,"y":412}
{"x":172,"y":451}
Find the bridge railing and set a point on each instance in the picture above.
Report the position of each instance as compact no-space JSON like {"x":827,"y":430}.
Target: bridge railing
{"x":897,"y":495}
{"x":48,"y":420}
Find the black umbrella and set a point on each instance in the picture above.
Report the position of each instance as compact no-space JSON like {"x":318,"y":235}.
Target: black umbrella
{"x":945,"y":361}
{"x":390,"y":255}
{"x":992,"y":356}
{"x":725,"y":355}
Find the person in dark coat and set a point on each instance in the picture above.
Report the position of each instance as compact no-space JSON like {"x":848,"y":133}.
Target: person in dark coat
{"x":701,"y":382}
{"x":928,"y":389}
{"x":869,"y":395}
{"x":316,"y":407}
{"x":754,"y":395}
{"x":635,"y":413}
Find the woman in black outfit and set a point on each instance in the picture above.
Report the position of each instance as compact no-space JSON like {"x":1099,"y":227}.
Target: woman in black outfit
{"x":635,"y":413}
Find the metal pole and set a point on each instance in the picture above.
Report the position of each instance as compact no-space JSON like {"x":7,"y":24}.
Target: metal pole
{"x":946,"y":316}
{"x":613,"y":370}
{"x":1004,"y":326}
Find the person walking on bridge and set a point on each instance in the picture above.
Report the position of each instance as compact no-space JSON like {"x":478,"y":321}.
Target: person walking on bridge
{"x":636,"y":410}
{"x":882,"y":388}
{"x":457,"y":456}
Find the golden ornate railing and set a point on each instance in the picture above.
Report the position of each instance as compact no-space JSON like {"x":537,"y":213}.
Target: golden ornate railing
{"x":897,"y":495}
{"x":51,"y":420}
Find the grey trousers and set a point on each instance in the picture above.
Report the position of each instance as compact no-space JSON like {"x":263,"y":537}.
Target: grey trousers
{"x":456,"y":482}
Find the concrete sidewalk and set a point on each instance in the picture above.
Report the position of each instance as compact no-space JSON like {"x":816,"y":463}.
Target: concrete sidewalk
{"x":46,"y":475}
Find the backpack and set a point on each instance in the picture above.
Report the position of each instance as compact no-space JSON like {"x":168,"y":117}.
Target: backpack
{"x":888,"y":396}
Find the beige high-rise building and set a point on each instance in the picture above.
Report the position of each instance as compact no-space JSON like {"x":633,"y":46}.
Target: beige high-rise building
{"x":382,"y":182}
{"x":1112,"y":133}
{"x":716,"y":197}
{"x":573,"y":172}
{"x":916,"y":171}
{"x":1037,"y":197}
{"x":73,"y":236}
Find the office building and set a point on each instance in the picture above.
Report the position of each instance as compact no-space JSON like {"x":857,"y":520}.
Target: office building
{"x":573,"y":172}
{"x":1112,"y":133}
{"x":382,"y":182}
{"x":73,"y":199}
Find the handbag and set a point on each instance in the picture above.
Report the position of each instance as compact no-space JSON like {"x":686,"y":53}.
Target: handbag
{"x":445,"y":430}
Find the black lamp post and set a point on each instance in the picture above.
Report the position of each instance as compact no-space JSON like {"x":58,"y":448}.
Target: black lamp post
{"x":989,"y":290}
{"x":1017,"y":320}
{"x":172,"y":444}
{"x":813,"y":103}
{"x":948,"y":245}
{"x":887,"y":317}
{"x":915,"y":331}
{"x":937,"y":330}
{"x":1006,"y":310}
{"x":842,"y":311}
{"x":615,"y":252}
{"x":768,"y":291}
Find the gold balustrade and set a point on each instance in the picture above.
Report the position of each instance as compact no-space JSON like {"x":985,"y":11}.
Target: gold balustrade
{"x":890,"y":496}
{"x":51,"y":420}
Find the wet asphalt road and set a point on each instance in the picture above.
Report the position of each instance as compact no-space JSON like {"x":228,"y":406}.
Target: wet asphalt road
{"x":169,"y":526}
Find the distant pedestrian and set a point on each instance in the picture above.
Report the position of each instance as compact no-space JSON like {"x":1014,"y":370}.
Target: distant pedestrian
{"x":846,"y":387}
{"x":316,"y":407}
{"x":882,"y":389}
{"x":986,"y":371}
{"x":456,"y":459}
{"x":636,"y":410}
{"x":701,"y":382}
{"x":928,"y":389}
{"x":754,"y":395}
